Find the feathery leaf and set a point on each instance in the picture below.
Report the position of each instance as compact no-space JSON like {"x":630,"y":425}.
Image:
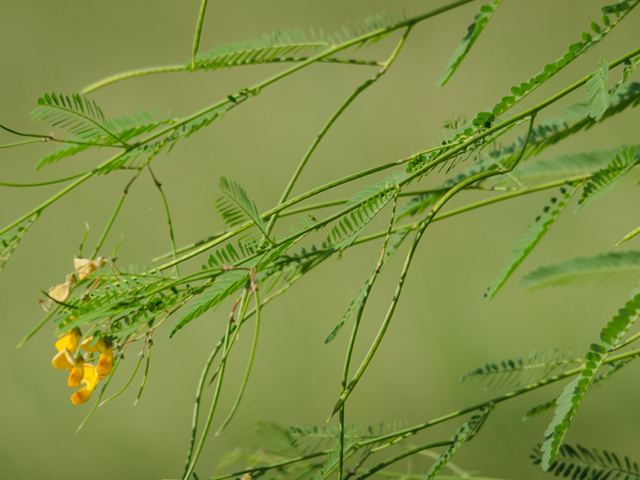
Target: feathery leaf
{"x":598,"y":91}
{"x":473,"y":32}
{"x":526,"y":244}
{"x":607,"y":178}
{"x":573,"y":393}
{"x":599,"y":269}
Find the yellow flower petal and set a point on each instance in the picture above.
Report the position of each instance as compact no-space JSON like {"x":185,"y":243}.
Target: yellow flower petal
{"x":69,"y":341}
{"x":63,"y":360}
{"x":99,"y":345}
{"x":85,"y":266}
{"x":105,"y":363}
{"x":60,"y":293}
{"x":90,"y":378}
{"x":77,"y":374}
{"x":81,"y":396}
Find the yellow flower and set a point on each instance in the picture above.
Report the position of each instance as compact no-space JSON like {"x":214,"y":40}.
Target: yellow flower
{"x":105,"y":363}
{"x":60,"y":292}
{"x":84,"y":266}
{"x":63,"y":360}
{"x":69,"y":341}
{"x":90,"y":381}
{"x":76,"y":372}
{"x":99,"y":345}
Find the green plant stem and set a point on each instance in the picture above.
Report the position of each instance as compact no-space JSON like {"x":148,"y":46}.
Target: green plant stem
{"x":403,"y":455}
{"x":135,"y":370}
{"x":40,"y":325}
{"x":245,"y":380}
{"x":196,"y":40}
{"x":214,"y":403}
{"x":40,"y":184}
{"x":419,"y":172}
{"x":146,"y":373}
{"x":187,"y":68}
{"x":494,"y":401}
{"x":421,"y":229}
{"x":405,"y":270}
{"x":417,"y":428}
{"x":203,"y":378}
{"x":104,"y":388}
{"x":330,"y":123}
{"x":356,"y":325}
{"x":166,"y":209}
{"x":108,"y":227}
{"x":330,"y":51}
{"x":20,"y":144}
{"x":283,"y":463}
{"x":51,"y":138}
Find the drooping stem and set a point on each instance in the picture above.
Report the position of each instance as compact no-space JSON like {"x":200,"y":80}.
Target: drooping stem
{"x":166,"y":209}
{"x":332,"y":120}
{"x":245,"y":380}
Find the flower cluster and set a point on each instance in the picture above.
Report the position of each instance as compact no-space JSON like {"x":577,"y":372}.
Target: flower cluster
{"x":69,"y":356}
{"x":81,"y":373}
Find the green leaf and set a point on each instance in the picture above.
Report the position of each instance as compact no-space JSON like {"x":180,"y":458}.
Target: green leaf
{"x":237,"y":194}
{"x":9,"y":241}
{"x":607,"y":178}
{"x":527,"y":243}
{"x":225,"y":285}
{"x":394,"y":242}
{"x":598,"y":91}
{"x":599,"y":269}
{"x":473,"y":32}
{"x":464,"y":434}
{"x":518,"y":372}
{"x":574,"y":392}
{"x":592,"y":464}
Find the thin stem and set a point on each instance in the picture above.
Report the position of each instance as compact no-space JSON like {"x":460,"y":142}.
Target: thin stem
{"x":135,"y":370}
{"x":405,"y":270}
{"x":201,"y":386}
{"x":196,"y":40}
{"x":330,"y":123}
{"x":40,"y":184}
{"x":132,"y":74}
{"x":39,"y":326}
{"x":283,"y":463}
{"x":356,"y":325}
{"x":146,"y":373}
{"x":51,"y":138}
{"x":494,"y":401}
{"x":184,"y":68}
{"x":9,"y":145}
{"x":245,"y":380}
{"x":166,"y":208}
{"x":104,"y":388}
{"x":214,"y":403}
{"x":327,"y":53}
{"x":403,"y":455}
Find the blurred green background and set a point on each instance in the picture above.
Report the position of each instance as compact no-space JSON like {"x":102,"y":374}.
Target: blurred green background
{"x":443,"y":326}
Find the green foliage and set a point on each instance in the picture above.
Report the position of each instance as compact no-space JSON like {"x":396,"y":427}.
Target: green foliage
{"x":607,"y":178}
{"x":225,"y":285}
{"x":248,"y":207}
{"x":591,"y":464}
{"x":463,"y":435}
{"x":599,"y":269}
{"x":394,"y":242}
{"x":527,"y":243}
{"x":246,"y":261}
{"x":9,"y":241}
{"x":573,"y":393}
{"x":473,"y":32}
{"x":518,"y":373}
{"x":598,"y":91}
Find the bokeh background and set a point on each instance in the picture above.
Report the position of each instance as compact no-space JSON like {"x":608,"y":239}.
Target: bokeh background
{"x":443,"y":326}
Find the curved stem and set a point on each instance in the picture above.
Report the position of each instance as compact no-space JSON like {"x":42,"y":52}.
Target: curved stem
{"x":41,"y":184}
{"x":245,"y":380}
{"x":132,"y":74}
{"x":331,"y":121}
